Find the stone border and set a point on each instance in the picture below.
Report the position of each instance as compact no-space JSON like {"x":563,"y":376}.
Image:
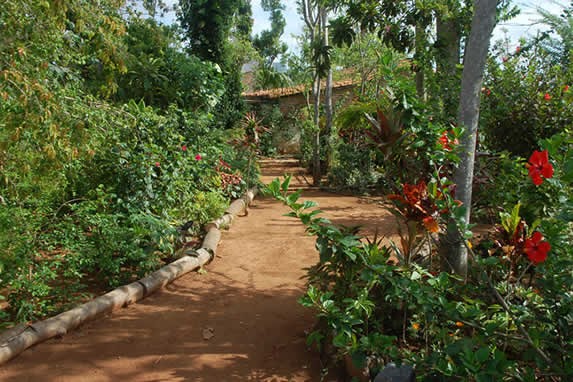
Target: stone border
{"x":22,"y":337}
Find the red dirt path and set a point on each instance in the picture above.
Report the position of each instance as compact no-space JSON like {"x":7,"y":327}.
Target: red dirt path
{"x":247,"y":300}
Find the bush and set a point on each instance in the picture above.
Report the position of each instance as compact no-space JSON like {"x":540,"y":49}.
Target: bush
{"x":353,"y":169}
{"x":511,"y":319}
{"x":525,"y":99}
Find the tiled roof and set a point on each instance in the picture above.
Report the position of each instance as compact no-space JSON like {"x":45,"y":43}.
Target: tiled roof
{"x":284,"y":92}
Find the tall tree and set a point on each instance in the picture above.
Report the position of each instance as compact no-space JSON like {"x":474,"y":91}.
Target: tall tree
{"x":208,"y":27}
{"x":475,"y":56}
{"x":448,"y":53}
{"x":316,"y":17}
{"x":244,"y":20}
{"x":268,"y":42}
{"x":405,"y":25}
{"x":269,"y":45}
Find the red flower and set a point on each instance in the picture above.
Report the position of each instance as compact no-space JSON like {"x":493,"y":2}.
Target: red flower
{"x":486,"y":91}
{"x":547,"y":97}
{"x":539,"y":166}
{"x":565,"y":88}
{"x":198,"y":157}
{"x":536,"y":249}
{"x":184,"y":148}
{"x":446,"y":142}
{"x":504,"y":59}
{"x":157,"y":164}
{"x":518,"y":49}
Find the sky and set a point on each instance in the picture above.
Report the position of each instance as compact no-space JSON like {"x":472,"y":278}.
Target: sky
{"x":522,"y":25}
{"x":294,"y":22}
{"x":525,"y":24}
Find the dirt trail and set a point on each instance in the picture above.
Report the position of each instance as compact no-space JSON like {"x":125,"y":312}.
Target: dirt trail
{"x":239,"y":321}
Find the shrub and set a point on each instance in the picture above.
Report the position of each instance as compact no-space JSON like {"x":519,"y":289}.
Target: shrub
{"x":511,"y":319}
{"x":525,"y":99}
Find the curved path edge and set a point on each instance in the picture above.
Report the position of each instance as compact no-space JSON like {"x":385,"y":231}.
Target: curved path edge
{"x":24,"y":337}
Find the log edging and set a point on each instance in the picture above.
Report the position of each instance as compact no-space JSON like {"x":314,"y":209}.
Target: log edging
{"x":24,"y":337}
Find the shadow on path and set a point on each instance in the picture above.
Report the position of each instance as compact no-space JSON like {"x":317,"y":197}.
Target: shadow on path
{"x":238,"y":321}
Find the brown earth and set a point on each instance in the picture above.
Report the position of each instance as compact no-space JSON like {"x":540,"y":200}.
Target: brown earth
{"x":238,"y":321}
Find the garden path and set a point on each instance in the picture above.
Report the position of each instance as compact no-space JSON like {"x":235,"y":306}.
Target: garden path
{"x":238,"y":321}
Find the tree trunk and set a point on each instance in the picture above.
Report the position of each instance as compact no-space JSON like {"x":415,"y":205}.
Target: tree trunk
{"x":448,"y":47}
{"x":418,"y":56}
{"x":312,"y":19}
{"x":475,"y":57}
{"x":316,"y":171}
{"x":328,"y":111}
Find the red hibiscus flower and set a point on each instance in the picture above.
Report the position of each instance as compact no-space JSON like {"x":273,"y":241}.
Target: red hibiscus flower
{"x":536,"y":249}
{"x":518,"y":49}
{"x":539,"y":167}
{"x":547,"y":97}
{"x":157,"y":164}
{"x":198,"y":157}
{"x":565,"y":88}
{"x":184,"y":148}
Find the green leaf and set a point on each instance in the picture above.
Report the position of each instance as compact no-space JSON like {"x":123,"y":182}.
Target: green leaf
{"x":309,"y":204}
{"x":314,"y":338}
{"x":339,"y":340}
{"x":351,"y":255}
{"x":349,"y":241}
{"x":292,"y":198}
{"x":286,"y":183}
{"x":567,"y":175}
{"x":482,"y":354}
{"x":273,"y":187}
{"x":492,"y":260}
{"x":358,"y":360}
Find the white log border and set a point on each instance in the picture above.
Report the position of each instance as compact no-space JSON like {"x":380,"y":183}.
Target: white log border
{"x":22,"y":337}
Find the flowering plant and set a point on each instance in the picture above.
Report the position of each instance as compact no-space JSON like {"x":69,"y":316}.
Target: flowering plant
{"x":415,"y":204}
{"x":536,"y":249}
{"x":539,"y":166}
{"x":448,"y":140}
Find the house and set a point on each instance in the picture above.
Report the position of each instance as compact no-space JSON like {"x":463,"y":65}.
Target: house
{"x":297,"y":97}
{"x":290,"y":100}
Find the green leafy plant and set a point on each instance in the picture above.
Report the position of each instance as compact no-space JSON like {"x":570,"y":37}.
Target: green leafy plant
{"x":374,"y":308}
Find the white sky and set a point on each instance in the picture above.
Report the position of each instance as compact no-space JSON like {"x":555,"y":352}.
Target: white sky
{"x":523,"y":25}
{"x":526,"y":23}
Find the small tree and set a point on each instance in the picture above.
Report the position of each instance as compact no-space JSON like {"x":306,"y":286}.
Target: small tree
{"x":475,"y":57}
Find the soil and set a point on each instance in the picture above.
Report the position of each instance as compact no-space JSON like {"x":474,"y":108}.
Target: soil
{"x":238,"y":320}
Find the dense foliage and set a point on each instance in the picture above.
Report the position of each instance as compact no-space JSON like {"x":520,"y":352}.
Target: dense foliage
{"x":511,"y":317}
{"x":106,"y":150}
{"x":525,"y":98}
{"x":208,"y":27}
